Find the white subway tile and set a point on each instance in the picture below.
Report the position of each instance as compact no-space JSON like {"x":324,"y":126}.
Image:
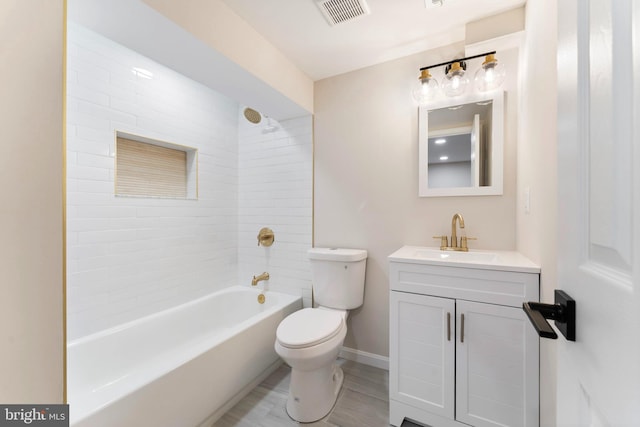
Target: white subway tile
{"x":88,"y":173}
{"x":140,"y":255}
{"x":76,"y":144}
{"x":87,"y":237}
{"x":87,"y":186}
{"x":87,"y":94}
{"x":107,"y":113}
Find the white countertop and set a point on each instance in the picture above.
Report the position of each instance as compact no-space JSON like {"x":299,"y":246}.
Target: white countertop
{"x":479,"y":259}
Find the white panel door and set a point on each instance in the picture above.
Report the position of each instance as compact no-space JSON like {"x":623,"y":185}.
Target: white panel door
{"x":421,"y":354}
{"x":599,"y":210}
{"x":496,"y":352}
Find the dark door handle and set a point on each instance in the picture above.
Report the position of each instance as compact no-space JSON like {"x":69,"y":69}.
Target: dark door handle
{"x":563,"y":312}
{"x":543,"y":328}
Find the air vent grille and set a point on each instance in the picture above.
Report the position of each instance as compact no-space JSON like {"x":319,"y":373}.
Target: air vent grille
{"x":339,"y":11}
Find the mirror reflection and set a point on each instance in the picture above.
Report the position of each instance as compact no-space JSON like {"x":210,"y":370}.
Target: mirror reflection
{"x":459,"y":141}
{"x":460,"y":146}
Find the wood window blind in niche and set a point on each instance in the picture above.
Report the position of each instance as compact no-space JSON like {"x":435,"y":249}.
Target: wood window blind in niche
{"x":148,"y":168}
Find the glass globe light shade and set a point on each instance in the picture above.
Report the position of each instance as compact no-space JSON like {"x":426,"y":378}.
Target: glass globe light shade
{"x":455,"y":82}
{"x":428,"y":88}
{"x":491,"y":74}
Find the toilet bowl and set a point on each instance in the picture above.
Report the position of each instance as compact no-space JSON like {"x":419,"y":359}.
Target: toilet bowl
{"x":309,"y":341}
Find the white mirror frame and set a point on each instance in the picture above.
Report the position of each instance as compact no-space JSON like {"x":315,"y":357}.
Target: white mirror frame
{"x":497,"y":146}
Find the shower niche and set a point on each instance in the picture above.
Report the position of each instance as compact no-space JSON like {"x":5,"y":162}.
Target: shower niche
{"x":146,"y":167}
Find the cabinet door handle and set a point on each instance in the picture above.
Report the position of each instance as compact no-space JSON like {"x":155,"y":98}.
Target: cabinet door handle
{"x":461,"y":328}
{"x":448,"y":326}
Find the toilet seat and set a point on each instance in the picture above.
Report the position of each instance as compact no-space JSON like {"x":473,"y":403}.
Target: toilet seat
{"x":309,"y":327}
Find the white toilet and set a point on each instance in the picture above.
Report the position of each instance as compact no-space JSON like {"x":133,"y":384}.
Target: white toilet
{"x":309,"y":339}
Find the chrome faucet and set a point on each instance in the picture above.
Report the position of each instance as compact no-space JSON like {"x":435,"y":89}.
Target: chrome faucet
{"x":256,"y":279}
{"x":454,"y":235}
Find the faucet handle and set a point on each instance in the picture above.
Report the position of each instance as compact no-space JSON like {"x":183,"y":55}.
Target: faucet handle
{"x":444,"y":242}
{"x":463,"y":242}
{"x":266,"y":237}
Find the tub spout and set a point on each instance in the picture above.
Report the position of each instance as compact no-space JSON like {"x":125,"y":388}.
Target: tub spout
{"x":256,"y":279}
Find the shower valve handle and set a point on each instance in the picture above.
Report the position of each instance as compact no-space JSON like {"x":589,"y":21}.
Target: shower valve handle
{"x":266,"y":237}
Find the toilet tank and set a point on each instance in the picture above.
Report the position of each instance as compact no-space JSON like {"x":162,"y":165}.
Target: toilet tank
{"x":337,"y":276}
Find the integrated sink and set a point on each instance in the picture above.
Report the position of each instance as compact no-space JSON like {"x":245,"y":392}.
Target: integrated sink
{"x":470,"y":256}
{"x":479,"y":259}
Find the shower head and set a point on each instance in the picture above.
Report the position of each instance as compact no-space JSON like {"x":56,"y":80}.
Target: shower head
{"x":252,"y":115}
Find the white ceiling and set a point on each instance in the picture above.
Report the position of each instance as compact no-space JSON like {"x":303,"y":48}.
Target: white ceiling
{"x":395,"y":28}
{"x":141,"y":28}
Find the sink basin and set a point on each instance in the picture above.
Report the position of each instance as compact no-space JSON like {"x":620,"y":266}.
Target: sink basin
{"x":471,"y":256}
{"x":478,"y":259}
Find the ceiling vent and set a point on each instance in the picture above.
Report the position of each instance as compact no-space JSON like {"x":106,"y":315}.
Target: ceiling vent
{"x":339,"y":11}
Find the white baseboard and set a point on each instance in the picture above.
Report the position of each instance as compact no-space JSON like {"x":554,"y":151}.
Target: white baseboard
{"x":365,"y":358}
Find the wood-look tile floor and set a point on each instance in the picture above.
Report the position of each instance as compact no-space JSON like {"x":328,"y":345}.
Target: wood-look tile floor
{"x":362,"y":402}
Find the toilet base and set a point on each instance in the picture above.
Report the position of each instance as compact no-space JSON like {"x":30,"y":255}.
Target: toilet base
{"x":312,"y":394}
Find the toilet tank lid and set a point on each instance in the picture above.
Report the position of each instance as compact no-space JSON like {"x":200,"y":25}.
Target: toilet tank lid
{"x":337,"y":254}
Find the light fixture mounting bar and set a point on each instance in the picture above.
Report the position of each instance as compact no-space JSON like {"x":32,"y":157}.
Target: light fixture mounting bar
{"x":458,"y":60}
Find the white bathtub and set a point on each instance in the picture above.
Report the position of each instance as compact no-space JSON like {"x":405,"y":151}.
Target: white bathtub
{"x":177,"y":368}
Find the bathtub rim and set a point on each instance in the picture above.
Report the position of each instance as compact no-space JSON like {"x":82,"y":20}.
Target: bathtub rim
{"x":151,"y":316}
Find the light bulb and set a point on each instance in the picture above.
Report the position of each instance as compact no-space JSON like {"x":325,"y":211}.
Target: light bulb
{"x":428,"y":88}
{"x":491,"y":74}
{"x":455,"y":82}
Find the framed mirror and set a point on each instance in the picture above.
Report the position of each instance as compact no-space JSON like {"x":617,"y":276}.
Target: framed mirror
{"x":460,"y":146}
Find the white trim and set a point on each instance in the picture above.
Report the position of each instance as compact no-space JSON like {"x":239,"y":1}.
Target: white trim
{"x":497,"y":142}
{"x":365,"y":358}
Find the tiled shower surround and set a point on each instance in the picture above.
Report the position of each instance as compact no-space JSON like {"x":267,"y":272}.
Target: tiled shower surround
{"x":129,"y":257}
{"x":274,"y":190}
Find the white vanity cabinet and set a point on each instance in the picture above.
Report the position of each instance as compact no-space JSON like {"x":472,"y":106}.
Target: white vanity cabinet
{"x":462,"y":352}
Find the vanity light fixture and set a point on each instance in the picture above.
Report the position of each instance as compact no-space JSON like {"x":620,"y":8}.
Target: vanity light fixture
{"x":490,"y":76}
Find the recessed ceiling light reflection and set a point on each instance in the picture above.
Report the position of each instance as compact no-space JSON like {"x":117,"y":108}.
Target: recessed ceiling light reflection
{"x":444,"y":157}
{"x":440,"y":141}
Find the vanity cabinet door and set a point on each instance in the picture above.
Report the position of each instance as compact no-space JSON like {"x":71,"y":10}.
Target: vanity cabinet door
{"x":422,"y":349}
{"x":496,"y":366}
